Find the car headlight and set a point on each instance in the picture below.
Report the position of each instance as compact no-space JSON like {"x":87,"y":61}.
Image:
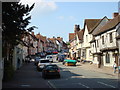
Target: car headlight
{"x":41,"y":66}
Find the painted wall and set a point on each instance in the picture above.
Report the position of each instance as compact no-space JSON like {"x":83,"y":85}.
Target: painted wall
{"x":86,"y":39}
{"x":112,"y":59}
{"x":18,"y":53}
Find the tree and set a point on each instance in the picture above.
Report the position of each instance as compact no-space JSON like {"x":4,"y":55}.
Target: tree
{"x":15,"y":19}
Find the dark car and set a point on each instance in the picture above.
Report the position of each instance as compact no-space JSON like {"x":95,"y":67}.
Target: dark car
{"x":61,"y":58}
{"x":51,"y":70}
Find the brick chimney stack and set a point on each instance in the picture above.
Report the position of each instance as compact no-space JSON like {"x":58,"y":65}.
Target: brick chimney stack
{"x":76,"y":28}
{"x":115,"y":14}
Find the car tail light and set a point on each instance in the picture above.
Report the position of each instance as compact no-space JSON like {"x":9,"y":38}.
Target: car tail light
{"x":58,"y":70}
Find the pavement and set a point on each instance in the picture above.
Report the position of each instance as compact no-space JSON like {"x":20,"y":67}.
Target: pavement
{"x":94,"y":67}
{"x":26,"y":77}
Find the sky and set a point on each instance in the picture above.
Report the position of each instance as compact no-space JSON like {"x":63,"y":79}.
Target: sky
{"x":58,"y":18}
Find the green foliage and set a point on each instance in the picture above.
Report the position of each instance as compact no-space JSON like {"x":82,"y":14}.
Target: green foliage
{"x":8,"y":71}
{"x":15,"y":19}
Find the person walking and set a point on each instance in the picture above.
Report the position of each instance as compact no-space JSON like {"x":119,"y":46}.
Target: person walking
{"x":114,"y":67}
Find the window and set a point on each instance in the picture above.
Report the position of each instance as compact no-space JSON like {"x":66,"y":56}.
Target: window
{"x":102,"y":39}
{"x":97,"y":43}
{"x":89,"y":52}
{"x":111,"y":40}
{"x":86,"y":37}
{"x":107,"y":58}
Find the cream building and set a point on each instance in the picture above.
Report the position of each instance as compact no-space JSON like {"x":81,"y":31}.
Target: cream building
{"x":89,"y":24}
{"x":106,"y":42}
{"x":95,"y":47}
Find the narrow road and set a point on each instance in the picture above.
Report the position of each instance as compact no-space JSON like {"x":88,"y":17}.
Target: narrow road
{"x":76,"y":77}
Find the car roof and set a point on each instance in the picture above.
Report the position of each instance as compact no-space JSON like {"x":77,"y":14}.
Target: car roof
{"x":51,"y":65}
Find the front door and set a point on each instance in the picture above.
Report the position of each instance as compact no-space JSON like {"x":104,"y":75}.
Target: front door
{"x":116,"y":58}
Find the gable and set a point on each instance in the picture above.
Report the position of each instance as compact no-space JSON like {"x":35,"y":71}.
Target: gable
{"x":100,"y":25}
{"x":109,"y":25}
{"x":91,"y":23}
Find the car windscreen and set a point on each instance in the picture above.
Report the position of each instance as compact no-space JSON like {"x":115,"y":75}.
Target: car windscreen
{"x":49,"y":57}
{"x":44,"y":61}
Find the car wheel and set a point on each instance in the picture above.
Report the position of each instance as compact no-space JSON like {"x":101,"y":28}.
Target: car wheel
{"x":45,"y":77}
{"x":59,"y":76}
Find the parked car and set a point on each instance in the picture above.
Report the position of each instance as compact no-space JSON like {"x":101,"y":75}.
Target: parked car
{"x":61,"y":57}
{"x":37,"y":59}
{"x":50,"y":57}
{"x":51,"y":70}
{"x":42,"y":63}
{"x":27,"y":59}
{"x":42,"y":54}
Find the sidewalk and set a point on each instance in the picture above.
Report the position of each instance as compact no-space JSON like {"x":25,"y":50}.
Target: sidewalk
{"x":26,"y":77}
{"x":93,"y":67}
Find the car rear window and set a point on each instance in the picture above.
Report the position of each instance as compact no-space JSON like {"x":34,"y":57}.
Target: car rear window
{"x":44,"y":61}
{"x":49,"y":56}
{"x":52,"y":67}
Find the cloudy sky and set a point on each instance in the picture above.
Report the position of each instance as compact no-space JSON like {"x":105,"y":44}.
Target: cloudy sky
{"x":58,"y":18}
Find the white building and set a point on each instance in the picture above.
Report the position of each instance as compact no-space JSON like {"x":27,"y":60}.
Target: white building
{"x":89,"y":24}
{"x":106,"y":42}
{"x":95,"y":47}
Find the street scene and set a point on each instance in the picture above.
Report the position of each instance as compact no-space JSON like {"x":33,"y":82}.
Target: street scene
{"x":71,"y":77}
{"x":60,"y":45}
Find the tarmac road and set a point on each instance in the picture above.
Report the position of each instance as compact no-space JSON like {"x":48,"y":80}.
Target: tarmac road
{"x":77,"y":77}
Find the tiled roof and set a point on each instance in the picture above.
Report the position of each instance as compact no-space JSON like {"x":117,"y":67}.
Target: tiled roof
{"x":80,"y":34}
{"x":96,"y":25}
{"x":71,"y":36}
{"x":42,"y":38}
{"x":91,"y":23}
{"x":110,"y":25}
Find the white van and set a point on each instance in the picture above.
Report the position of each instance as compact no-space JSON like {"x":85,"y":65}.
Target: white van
{"x":42,"y":63}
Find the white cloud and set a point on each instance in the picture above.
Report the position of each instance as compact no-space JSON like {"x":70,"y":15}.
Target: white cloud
{"x":61,"y":17}
{"x":41,"y":6}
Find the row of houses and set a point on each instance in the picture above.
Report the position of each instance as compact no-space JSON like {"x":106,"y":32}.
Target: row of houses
{"x":32,"y":44}
{"x":98,"y":41}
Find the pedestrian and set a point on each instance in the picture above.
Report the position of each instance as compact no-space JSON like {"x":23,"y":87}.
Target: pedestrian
{"x":18,"y":63}
{"x":114,"y":67}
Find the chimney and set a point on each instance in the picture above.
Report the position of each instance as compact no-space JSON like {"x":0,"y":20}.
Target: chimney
{"x":115,"y":14}
{"x":76,"y":28}
{"x":33,"y":33}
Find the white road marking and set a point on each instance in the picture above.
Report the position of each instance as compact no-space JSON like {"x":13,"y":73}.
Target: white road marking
{"x":106,"y":84}
{"x":52,"y":86}
{"x":25,"y":85}
{"x":83,"y":85}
